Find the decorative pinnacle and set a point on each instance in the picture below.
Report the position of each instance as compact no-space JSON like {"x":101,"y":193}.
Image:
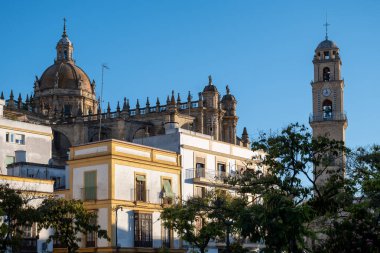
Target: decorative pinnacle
{"x":326,"y":25}
{"x":228,"y":89}
{"x":210,"y":80}
{"x":64,"y":28}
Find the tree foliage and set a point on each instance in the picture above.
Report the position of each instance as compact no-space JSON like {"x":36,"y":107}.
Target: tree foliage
{"x":68,"y":219}
{"x":215,"y":213}
{"x":15,"y":212}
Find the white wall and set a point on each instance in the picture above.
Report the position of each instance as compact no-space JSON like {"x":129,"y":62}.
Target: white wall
{"x":125,"y":182}
{"x":37,"y":146}
{"x":101,"y":177}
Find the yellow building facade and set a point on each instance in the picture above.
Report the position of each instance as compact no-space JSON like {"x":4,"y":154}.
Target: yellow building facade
{"x":127,"y":185}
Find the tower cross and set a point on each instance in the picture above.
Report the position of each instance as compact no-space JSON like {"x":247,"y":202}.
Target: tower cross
{"x":326,"y":25}
{"x":64,"y":27}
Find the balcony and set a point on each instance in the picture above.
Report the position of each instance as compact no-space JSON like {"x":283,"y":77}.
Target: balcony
{"x":202,"y":175}
{"x":320,"y":117}
{"x":88,"y":193}
{"x":140,"y":195}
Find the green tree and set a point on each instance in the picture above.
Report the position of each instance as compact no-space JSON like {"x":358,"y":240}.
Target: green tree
{"x":356,"y":228}
{"x":287,"y":198}
{"x":68,"y":218}
{"x":201,"y":219}
{"x":15,"y":212}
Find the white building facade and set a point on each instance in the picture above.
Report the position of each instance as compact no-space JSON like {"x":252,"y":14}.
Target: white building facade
{"x":23,"y":142}
{"x":205,"y":163}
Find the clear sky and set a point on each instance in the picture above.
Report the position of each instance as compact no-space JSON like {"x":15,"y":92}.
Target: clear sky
{"x":262,"y":49}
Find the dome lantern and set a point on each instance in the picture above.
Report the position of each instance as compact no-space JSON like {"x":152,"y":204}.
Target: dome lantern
{"x":64,"y":46}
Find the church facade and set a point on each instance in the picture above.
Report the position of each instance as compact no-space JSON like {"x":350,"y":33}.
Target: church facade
{"x":64,"y":98}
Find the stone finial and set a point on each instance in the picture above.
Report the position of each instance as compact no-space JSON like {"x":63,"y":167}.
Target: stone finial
{"x":137,"y":104}
{"x":125,"y":104}
{"x":172,"y":101}
{"x":109,"y":108}
{"x":189,"y":97}
{"x":210,"y":80}
{"x":11,"y":95}
{"x":19,"y":101}
{"x":227,"y":89}
{"x":167,"y":100}
{"x":158,"y":102}
{"x":245,"y":137}
{"x":147,"y":103}
{"x":118,"y":107}
{"x":27,"y":99}
{"x":178,"y":99}
{"x":200,"y":96}
{"x":2,"y":96}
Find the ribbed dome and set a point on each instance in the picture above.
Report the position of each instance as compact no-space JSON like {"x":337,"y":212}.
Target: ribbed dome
{"x":210,"y":88}
{"x":68,"y":76}
{"x":228,"y":97}
{"x":326,"y":44}
{"x":65,"y":41}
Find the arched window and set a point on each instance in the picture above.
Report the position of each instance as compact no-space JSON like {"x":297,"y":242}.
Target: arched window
{"x":326,"y":74}
{"x":327,"y":109}
{"x":65,"y":54}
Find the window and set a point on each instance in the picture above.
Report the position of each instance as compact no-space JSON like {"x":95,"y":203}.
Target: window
{"x":167,"y":192}
{"x":221,"y":170}
{"x":140,"y":188}
{"x":15,"y":138}
{"x":200,"y":191}
{"x":326,"y":74}
{"x":200,"y":167}
{"x":90,"y":185}
{"x":91,"y":236}
{"x":19,"y":139}
{"x":327,"y":55}
{"x":143,"y":230}
{"x":67,"y":110}
{"x":327,"y":109}
{"x":9,"y":160}
{"x":166,"y":237}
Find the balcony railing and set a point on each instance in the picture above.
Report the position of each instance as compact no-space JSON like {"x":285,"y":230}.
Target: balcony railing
{"x":140,"y":195}
{"x":88,"y":193}
{"x":203,"y":173}
{"x":327,"y":117}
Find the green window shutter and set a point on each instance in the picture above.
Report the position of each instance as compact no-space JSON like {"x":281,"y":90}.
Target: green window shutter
{"x":168,"y":189}
{"x":9,"y":160}
{"x":90,"y":185}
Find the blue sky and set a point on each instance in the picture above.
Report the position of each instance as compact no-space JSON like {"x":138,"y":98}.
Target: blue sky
{"x":262,"y":49}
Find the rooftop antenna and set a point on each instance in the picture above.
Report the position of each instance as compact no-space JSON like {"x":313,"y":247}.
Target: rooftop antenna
{"x":104,"y":66}
{"x":326,"y":25}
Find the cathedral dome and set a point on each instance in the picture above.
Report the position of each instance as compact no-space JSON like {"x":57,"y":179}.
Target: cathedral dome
{"x":65,"y":75}
{"x":326,"y":44}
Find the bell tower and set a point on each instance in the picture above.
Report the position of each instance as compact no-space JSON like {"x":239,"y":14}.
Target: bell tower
{"x":328,"y":117}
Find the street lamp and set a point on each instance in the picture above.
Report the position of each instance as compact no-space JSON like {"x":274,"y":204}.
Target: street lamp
{"x":117,"y":208}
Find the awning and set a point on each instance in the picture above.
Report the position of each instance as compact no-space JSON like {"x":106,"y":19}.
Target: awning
{"x":168,"y":189}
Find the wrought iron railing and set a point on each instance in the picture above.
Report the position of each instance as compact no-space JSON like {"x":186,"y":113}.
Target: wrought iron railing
{"x":89,"y":193}
{"x":327,"y":117}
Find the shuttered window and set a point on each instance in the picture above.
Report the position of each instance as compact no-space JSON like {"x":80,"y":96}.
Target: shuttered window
{"x":90,"y":185}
